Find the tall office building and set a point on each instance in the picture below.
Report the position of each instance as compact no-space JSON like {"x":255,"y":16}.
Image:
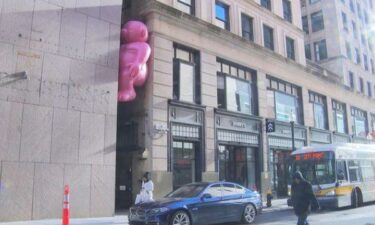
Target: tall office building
{"x":339,"y":36}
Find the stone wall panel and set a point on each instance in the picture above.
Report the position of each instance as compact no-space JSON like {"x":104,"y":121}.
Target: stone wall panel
{"x":48,"y":189}
{"x":36,"y":133}
{"x":17,"y":187}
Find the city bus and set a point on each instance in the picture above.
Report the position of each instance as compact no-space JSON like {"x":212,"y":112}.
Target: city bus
{"x":341,"y":174}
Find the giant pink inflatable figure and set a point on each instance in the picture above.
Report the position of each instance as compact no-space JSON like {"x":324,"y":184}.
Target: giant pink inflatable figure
{"x":134,"y":53}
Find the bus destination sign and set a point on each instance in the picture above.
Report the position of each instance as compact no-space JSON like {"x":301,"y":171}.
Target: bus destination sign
{"x":311,"y":156}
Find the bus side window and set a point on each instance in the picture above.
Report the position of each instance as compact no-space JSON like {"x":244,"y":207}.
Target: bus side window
{"x":341,"y":171}
{"x":354,"y":171}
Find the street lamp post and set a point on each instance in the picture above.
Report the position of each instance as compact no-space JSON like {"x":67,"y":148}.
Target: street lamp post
{"x":292,"y":128}
{"x":292,"y":117}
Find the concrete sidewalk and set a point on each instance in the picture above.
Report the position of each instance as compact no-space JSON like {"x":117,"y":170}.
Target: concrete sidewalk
{"x":118,"y":220}
{"x":277,"y":205}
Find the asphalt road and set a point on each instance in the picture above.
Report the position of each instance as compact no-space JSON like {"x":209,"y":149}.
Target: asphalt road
{"x":360,"y":216}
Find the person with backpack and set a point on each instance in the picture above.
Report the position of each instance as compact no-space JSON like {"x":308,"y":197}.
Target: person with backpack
{"x":303,"y":198}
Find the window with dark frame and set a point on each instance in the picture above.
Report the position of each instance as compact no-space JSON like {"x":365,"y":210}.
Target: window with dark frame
{"x":317,"y":21}
{"x":236,"y":88}
{"x":357,"y":56}
{"x":247,"y":27}
{"x":290,"y":52}
{"x":365,"y":62}
{"x":369,"y":89}
{"x":363,"y":40}
{"x":268,"y":37}
{"x":308,"y":51}
{"x":361,"y":85}
{"x":222,"y":15}
{"x":348,"y":50}
{"x":355,"y":34}
{"x":359,"y":122}
{"x":320,"y":49}
{"x":339,"y":117}
{"x":186,"y":74}
{"x":288,"y":100}
{"x":187,"y":6}
{"x":305,"y":24}
{"x":266,"y":4}
{"x":359,"y":12}
{"x":319,"y":103}
{"x":351,"y":80}
{"x":373,"y":122}
{"x":287,"y":9}
{"x":345,"y":21}
{"x":372,"y":66}
{"x":352,"y":6}
{"x":303,"y":3}
{"x":366,"y":17}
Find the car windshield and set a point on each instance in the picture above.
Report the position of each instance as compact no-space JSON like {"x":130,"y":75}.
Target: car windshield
{"x":317,"y":170}
{"x":187,"y":191}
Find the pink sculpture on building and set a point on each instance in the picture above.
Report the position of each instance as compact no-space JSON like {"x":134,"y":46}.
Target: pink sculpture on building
{"x":134,"y":53}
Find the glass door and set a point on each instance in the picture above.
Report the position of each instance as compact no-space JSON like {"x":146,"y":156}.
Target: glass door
{"x":281,"y":171}
{"x":237,"y":164}
{"x":184,"y":163}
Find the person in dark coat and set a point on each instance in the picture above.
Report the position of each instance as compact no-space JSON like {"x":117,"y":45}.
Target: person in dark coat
{"x":303,"y":198}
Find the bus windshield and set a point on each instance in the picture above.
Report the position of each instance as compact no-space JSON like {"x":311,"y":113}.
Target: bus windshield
{"x":318,"y":167}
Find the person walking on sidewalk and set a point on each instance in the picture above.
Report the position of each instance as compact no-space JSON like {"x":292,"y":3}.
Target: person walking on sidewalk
{"x":303,"y":198}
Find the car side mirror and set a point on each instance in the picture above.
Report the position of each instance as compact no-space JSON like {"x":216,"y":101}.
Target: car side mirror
{"x":206,"y":196}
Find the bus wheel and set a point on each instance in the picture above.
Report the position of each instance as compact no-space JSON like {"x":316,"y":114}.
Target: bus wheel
{"x":360,"y":198}
{"x":355,"y":198}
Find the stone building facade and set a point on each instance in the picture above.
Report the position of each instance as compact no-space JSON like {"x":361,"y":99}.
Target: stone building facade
{"x":213,"y":83}
{"x":58,"y":107}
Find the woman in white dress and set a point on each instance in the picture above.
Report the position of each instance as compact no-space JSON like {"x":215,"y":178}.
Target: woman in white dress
{"x":148,"y":187}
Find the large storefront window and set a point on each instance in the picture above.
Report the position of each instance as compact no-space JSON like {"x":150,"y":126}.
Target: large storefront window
{"x":186,"y":152}
{"x":186,"y":75}
{"x":237,"y":164}
{"x":359,"y":122}
{"x":287,"y":96}
{"x":339,"y":117}
{"x":235,"y":88}
{"x":184,"y":166}
{"x":238,"y":143}
{"x":319,"y":107}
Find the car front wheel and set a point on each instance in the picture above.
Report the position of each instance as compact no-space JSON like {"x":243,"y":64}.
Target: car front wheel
{"x":180,"y":218}
{"x":249,"y":214}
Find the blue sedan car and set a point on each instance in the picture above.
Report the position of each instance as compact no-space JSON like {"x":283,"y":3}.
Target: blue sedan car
{"x":200,"y":204}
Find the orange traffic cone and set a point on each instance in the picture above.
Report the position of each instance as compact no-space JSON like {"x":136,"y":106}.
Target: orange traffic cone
{"x":65,"y":219}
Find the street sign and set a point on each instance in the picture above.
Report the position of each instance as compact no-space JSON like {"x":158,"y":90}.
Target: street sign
{"x":270,"y":126}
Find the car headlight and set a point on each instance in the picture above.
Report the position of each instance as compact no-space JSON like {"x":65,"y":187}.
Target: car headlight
{"x":158,"y":210}
{"x":331,"y":193}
